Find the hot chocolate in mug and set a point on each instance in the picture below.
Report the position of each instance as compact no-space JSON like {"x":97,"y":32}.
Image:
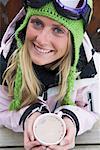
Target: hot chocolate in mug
{"x":49,"y":129}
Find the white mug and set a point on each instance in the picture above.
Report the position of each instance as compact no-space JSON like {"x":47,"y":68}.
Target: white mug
{"x":49,"y":129}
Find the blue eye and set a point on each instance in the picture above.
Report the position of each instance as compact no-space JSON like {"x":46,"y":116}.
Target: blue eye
{"x":58,"y":30}
{"x":37,"y":23}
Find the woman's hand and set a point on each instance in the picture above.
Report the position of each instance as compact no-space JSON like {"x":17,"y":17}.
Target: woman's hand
{"x":69,"y":140}
{"x":31,"y":144}
{"x":29,"y":140}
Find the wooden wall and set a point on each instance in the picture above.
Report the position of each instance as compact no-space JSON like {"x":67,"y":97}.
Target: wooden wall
{"x":95,"y":22}
{"x":8,"y":9}
{"x":95,"y":25}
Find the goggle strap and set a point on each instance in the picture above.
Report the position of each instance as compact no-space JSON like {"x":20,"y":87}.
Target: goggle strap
{"x":86,"y":14}
{"x":36,"y":3}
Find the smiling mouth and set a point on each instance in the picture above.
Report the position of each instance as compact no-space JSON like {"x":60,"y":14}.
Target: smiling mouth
{"x":41,"y":50}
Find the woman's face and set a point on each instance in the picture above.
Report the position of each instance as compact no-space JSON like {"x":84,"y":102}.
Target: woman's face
{"x":46,"y":40}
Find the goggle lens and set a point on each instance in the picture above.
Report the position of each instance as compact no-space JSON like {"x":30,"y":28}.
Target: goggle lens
{"x":73,"y":4}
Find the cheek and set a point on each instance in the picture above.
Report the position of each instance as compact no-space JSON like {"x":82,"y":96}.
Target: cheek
{"x":30,"y":33}
{"x":65,"y":44}
{"x":62,"y":46}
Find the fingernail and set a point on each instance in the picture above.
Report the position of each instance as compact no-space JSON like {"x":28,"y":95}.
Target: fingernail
{"x":32,"y":138}
{"x":62,"y":143}
{"x":51,"y":146}
{"x":43,"y":148}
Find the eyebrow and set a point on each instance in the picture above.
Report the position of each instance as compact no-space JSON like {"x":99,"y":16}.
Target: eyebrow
{"x":32,"y":19}
{"x":60,"y":26}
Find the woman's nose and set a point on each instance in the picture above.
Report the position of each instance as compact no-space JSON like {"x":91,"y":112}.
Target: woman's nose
{"x":43,"y":38}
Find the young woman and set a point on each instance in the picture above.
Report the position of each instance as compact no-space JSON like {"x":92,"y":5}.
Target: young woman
{"x":40,"y":73}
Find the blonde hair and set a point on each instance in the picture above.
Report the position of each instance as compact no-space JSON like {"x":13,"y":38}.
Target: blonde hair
{"x":31,"y":86}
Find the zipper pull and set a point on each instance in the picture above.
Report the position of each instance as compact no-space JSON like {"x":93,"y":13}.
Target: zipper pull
{"x":45,"y":95}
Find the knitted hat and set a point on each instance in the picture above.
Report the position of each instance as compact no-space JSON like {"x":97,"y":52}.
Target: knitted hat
{"x":76,"y":27}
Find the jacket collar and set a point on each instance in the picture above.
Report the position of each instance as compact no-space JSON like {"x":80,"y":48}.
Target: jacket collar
{"x":49,"y":78}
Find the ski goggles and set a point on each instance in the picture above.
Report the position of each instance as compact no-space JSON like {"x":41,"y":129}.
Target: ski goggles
{"x":72,"y":9}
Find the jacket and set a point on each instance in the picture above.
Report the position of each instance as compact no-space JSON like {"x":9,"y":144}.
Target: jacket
{"x":85,"y":93}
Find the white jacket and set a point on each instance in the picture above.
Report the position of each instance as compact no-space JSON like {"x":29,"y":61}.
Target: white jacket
{"x":85,"y":94}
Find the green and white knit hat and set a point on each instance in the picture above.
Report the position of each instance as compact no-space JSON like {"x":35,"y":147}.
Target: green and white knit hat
{"x":76,"y":27}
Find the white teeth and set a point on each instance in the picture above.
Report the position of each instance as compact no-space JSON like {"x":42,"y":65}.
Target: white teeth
{"x":41,"y":50}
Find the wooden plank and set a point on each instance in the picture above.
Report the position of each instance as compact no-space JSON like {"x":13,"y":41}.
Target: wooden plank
{"x":77,"y":148}
{"x":94,"y":147}
{"x":12,"y":148}
{"x":92,"y":136}
{"x":10,"y":138}
{"x":87,"y":147}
